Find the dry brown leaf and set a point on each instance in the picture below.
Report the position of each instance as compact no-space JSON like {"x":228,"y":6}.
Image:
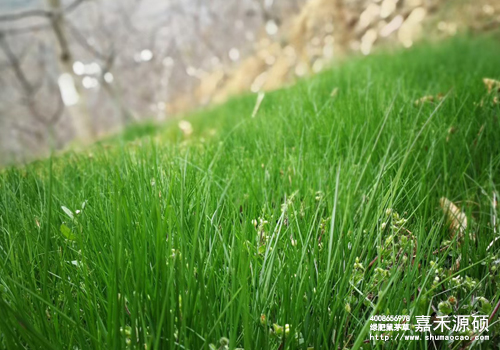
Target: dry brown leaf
{"x":457,"y":218}
{"x":422,"y":100}
{"x":429,"y":98}
{"x":451,"y":131}
{"x":456,"y":266}
{"x":492,"y":85}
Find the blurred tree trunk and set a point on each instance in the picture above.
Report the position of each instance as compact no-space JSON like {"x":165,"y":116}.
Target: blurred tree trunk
{"x":77,"y":108}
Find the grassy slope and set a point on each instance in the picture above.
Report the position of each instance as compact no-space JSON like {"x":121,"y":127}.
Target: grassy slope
{"x":167,"y":247}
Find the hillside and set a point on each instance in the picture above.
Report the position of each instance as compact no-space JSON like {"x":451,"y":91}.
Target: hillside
{"x":369,"y":189}
{"x":325,"y":32}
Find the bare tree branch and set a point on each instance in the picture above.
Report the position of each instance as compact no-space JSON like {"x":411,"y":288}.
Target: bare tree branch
{"x":16,"y":65}
{"x":26,"y":30}
{"x":82,"y":41}
{"x":68,"y":9}
{"x":30,"y":90}
{"x":10,"y":17}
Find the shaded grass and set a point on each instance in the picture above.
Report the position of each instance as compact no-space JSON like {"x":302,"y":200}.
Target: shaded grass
{"x":165,"y":252}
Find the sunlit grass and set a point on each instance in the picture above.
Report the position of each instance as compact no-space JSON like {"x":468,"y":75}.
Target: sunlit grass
{"x":287,"y":230}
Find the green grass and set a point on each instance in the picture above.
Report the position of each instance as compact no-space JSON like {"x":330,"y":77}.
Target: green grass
{"x":166,"y":253}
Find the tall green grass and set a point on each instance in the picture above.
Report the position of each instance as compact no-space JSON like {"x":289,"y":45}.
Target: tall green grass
{"x":251,"y":224}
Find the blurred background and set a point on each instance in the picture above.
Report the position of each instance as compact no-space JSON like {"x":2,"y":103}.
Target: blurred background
{"x":78,"y":70}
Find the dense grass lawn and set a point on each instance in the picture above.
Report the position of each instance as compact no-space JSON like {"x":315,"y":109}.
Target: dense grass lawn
{"x":288,"y":230}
